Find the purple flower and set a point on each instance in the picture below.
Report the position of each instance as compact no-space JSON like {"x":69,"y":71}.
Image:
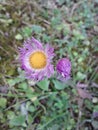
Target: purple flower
{"x":36,"y":60}
{"x":63,"y":68}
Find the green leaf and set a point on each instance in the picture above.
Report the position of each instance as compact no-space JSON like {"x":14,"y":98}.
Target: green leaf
{"x":10,"y":114}
{"x":96,"y":108}
{"x":11,"y":82}
{"x":31,"y":109}
{"x":78,"y":34}
{"x":37,"y":28}
{"x":23,"y":85}
{"x":15,"y":81}
{"x":80,"y":76}
{"x":3,"y":102}
{"x":55,"y":21}
{"x":60,"y":2}
{"x":59,"y":85}
{"x":44,"y":84}
{"x":27,"y":32}
{"x":18,"y":37}
{"x":30,"y":119}
{"x":18,"y":121}
{"x":46,"y":38}
{"x":95,"y":124}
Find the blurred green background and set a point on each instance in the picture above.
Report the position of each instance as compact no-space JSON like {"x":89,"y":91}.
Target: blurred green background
{"x":71,"y":27}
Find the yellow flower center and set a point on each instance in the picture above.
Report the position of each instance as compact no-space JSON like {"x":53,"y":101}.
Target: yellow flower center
{"x":38,"y":60}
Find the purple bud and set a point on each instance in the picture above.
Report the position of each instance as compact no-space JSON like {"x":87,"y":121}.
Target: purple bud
{"x":63,"y":68}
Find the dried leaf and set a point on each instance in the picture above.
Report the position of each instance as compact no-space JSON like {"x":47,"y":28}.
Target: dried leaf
{"x":84,"y":93}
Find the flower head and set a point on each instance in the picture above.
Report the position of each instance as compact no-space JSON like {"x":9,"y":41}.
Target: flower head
{"x":63,"y":68}
{"x":36,"y":60}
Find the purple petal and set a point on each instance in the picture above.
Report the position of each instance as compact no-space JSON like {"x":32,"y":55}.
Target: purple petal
{"x":37,"y":43}
{"x":49,"y":50}
{"x":49,"y":71}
